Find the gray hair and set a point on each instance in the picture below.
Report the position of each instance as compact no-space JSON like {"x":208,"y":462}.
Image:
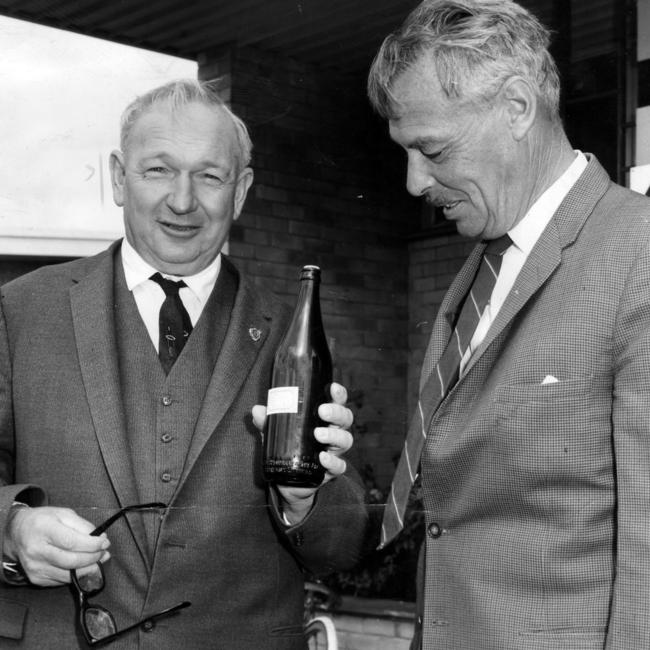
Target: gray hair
{"x":476,"y":45}
{"x":177,"y":94}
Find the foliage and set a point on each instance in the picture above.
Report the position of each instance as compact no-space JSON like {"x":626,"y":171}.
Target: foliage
{"x":390,"y":572}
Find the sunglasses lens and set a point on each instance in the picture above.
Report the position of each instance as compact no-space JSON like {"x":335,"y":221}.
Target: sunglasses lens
{"x":92,"y":581}
{"x":99,"y":623}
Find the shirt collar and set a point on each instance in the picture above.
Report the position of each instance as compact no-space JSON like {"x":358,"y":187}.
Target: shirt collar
{"x":526,"y":233}
{"x":137,"y":271}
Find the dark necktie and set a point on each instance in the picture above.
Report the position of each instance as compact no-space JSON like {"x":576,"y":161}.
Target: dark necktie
{"x":441,"y":380}
{"x":174,"y":324}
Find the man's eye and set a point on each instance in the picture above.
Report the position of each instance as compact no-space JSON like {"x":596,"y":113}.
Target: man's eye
{"x":212,"y":179}
{"x":156,"y":171}
{"x":433,"y":155}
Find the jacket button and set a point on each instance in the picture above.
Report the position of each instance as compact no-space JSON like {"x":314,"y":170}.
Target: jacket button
{"x":434,"y":531}
{"x":166,"y":437}
{"x":165,"y":477}
{"x":166,"y":400}
{"x":148,"y":626}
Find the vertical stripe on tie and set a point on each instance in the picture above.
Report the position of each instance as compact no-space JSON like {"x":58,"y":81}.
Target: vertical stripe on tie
{"x":436,"y":388}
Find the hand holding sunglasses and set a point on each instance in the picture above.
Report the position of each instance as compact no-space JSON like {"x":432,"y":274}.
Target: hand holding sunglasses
{"x":96,"y":622}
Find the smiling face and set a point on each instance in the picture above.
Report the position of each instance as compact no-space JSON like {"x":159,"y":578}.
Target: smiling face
{"x":462,"y":158}
{"x":180,"y":185}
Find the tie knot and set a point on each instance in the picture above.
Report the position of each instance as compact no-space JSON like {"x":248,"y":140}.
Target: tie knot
{"x":498,"y":246}
{"x":170,"y":287}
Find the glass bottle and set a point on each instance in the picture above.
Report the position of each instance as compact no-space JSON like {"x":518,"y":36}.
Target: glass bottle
{"x":302,"y":374}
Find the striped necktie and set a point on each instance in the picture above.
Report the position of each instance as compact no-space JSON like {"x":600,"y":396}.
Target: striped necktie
{"x":174,"y":324}
{"x":440,"y":381}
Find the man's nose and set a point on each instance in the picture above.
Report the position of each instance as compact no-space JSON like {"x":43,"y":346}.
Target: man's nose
{"x":419,"y":179}
{"x":181,"y":198}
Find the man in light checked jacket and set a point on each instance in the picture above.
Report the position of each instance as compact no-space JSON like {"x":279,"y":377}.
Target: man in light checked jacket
{"x":535,"y":467}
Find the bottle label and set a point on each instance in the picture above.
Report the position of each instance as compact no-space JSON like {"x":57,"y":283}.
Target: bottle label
{"x":282,"y":400}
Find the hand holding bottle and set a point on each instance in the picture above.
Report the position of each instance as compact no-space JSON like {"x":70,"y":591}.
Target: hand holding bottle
{"x":337,"y":440}
{"x":300,"y":380}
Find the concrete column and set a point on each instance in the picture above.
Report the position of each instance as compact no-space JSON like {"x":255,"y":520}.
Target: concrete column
{"x":641,"y":175}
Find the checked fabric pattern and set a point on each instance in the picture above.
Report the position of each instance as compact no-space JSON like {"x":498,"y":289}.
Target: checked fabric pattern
{"x":438,"y":384}
{"x":174,"y":324}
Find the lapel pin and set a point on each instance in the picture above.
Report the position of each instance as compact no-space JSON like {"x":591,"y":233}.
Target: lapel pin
{"x":255,"y":333}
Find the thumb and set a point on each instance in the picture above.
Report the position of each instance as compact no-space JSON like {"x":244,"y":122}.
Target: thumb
{"x":259,"y":416}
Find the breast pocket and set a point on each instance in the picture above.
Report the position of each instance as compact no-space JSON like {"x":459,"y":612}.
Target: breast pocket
{"x":582,"y":638}
{"x":555,"y":429}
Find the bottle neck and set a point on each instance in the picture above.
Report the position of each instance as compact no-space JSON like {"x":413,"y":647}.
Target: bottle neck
{"x":308,"y":304}
{"x":308,"y":293}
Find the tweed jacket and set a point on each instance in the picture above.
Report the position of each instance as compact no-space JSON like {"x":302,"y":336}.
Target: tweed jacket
{"x":536,"y":470}
{"x":221,"y":545}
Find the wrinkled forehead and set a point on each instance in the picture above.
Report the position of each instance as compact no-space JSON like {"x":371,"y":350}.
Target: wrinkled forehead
{"x":198,"y":129}
{"x":201,"y":118}
{"x":416,"y":96}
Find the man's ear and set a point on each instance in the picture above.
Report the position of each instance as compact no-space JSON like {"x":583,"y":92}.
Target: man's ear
{"x":116,"y":164}
{"x":520,"y":105}
{"x":244,"y":181}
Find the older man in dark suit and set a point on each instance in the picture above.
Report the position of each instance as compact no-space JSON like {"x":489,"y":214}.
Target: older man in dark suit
{"x":532,"y":432}
{"x":120,"y":387}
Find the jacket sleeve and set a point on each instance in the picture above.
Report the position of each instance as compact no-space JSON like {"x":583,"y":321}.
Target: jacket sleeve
{"x":9,"y":490}
{"x":629,"y":625}
{"x":331,"y":536}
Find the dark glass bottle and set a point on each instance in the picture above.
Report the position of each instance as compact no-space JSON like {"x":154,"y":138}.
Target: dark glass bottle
{"x":302,"y":373}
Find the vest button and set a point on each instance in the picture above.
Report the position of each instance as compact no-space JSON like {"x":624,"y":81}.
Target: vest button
{"x":298,"y":539}
{"x":166,"y":437}
{"x":166,"y":400}
{"x":434,"y":531}
{"x":165,"y":477}
{"x":148,"y":626}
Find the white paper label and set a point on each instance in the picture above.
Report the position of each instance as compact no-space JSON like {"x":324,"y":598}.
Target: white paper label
{"x":282,"y":400}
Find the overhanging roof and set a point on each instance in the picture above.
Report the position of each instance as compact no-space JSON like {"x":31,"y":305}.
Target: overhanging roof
{"x":339,"y":34}
{"x":342,"y":35}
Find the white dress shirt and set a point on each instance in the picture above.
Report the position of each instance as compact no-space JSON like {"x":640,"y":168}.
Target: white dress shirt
{"x":524,"y":237}
{"x":149,"y":296}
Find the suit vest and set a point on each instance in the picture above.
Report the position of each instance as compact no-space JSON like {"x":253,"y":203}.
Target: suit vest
{"x":161,"y":410}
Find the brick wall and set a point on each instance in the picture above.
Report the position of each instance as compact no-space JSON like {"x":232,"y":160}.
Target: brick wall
{"x":327,"y":193}
{"x":434,"y":261}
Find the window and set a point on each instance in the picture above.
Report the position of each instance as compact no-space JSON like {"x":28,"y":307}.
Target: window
{"x":62,"y":97}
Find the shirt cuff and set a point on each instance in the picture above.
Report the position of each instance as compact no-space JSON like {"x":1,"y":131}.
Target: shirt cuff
{"x":13,"y":571}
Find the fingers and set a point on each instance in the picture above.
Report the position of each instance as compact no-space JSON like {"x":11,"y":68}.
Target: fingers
{"x":49,"y":542}
{"x":334,"y":465}
{"x":336,"y":440}
{"x":92,"y":570}
{"x":336,"y":415}
{"x":339,"y":393}
{"x":335,"y":437}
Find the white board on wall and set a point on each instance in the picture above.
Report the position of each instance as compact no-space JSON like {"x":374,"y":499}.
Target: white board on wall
{"x":61,"y":101}
{"x":643,"y":31}
{"x":640,"y":179}
{"x":643,"y":135}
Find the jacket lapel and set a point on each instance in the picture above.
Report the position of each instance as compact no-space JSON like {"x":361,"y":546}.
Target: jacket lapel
{"x":248,"y":329}
{"x":93,"y":319}
{"x":542,"y":261}
{"x":540,"y":265}
{"x":546,"y":255}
